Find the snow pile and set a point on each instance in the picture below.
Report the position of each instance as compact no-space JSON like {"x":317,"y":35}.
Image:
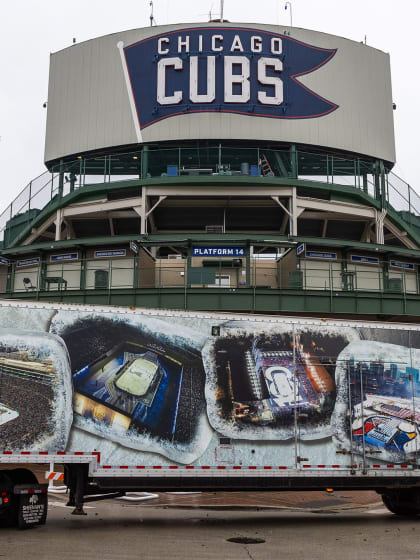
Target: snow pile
{"x":50,"y":348}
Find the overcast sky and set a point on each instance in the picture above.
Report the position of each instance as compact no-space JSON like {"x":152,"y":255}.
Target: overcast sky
{"x":31,"y":29}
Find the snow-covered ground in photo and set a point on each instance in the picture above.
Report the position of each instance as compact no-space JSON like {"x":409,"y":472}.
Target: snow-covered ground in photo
{"x":131,"y":448}
{"x":368,"y":351}
{"x":176,"y":331}
{"x":44,"y":346}
{"x":30,"y":318}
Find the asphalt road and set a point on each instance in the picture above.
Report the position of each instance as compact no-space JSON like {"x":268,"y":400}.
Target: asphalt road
{"x":123,"y":530}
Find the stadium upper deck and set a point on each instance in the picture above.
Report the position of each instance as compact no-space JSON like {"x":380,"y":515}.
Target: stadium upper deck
{"x":253,"y":159}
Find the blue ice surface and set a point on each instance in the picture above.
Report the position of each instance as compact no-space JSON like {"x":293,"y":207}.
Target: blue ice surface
{"x":150,"y":416}
{"x":96,"y":387}
{"x":81,"y":374}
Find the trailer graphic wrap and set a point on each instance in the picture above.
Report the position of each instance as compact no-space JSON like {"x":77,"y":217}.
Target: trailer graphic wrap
{"x":165,"y":388}
{"x":378,"y":404}
{"x":35,"y":391}
{"x":261,"y":381}
{"x":137,"y":382}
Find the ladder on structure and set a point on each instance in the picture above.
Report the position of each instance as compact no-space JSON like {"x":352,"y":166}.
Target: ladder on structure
{"x":265,"y":166}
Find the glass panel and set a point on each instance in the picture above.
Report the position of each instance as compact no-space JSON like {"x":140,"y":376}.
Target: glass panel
{"x":26,"y":279}
{"x":63,"y":276}
{"x":313,"y":167}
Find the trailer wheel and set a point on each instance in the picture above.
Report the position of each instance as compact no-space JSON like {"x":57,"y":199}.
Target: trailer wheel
{"x":22,"y":476}
{"x":10,"y":478}
{"x":9,"y":517}
{"x":402,"y":502}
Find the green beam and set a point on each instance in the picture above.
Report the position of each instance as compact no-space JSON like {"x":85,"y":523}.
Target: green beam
{"x":373,"y":305}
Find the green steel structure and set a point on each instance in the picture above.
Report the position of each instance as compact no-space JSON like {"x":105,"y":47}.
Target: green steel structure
{"x":168,"y":200}
{"x":194,"y":215}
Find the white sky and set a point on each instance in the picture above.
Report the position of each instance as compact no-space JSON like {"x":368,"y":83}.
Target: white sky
{"x":31,"y":29}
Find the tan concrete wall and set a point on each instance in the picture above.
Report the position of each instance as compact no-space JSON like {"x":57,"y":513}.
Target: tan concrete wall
{"x":286,"y":265}
{"x":265,"y":273}
{"x":3,"y":278}
{"x":147,"y":266}
{"x":169,"y":273}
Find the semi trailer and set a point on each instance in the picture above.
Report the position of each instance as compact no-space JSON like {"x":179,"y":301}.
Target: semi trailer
{"x":161,"y":400}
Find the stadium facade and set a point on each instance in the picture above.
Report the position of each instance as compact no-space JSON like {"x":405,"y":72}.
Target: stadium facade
{"x":215,"y":167}
{"x":218,"y":166}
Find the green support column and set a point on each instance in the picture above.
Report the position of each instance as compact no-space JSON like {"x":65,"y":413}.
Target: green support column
{"x":61,"y":179}
{"x":365,"y":183}
{"x":136,"y":271}
{"x":248,"y":265}
{"x":10,"y":277}
{"x":382,"y":184}
{"x":43,"y":272}
{"x":145,"y":162}
{"x":376,"y":173}
{"x":83,"y":270}
{"x":294,"y":161}
{"x":188,"y":267}
{"x":385,"y":277}
{"x":73,"y":179}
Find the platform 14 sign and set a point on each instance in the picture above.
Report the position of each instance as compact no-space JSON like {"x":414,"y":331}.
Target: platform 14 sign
{"x":235,"y":70}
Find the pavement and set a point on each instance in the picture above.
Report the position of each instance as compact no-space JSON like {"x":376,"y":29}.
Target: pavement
{"x":125,"y":530}
{"x":220,"y":525}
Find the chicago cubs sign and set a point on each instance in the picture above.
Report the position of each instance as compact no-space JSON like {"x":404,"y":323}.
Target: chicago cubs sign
{"x":234,"y":70}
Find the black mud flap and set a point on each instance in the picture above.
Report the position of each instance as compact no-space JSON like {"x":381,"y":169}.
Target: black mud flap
{"x":32,"y":503}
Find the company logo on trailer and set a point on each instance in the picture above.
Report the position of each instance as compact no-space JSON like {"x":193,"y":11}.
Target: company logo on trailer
{"x":231,"y":70}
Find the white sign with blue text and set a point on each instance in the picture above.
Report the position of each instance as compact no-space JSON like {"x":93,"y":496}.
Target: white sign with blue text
{"x":405,"y":265}
{"x":218,"y":252}
{"x":364,"y":260}
{"x":64,"y":257}
{"x":28,"y":262}
{"x":321,"y":255}
{"x":134,"y":247}
{"x":110,"y":253}
{"x":300,"y":249}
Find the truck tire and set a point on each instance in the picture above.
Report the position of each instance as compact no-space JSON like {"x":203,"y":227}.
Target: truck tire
{"x":402,"y":502}
{"x":12,"y":477}
{"x":9,"y":517}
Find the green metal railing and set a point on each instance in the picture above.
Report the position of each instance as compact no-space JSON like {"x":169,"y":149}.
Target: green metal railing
{"x":367,"y":176}
{"x":113,"y":274}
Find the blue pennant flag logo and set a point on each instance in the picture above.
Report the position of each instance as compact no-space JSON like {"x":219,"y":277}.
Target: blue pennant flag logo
{"x":218,"y":69}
